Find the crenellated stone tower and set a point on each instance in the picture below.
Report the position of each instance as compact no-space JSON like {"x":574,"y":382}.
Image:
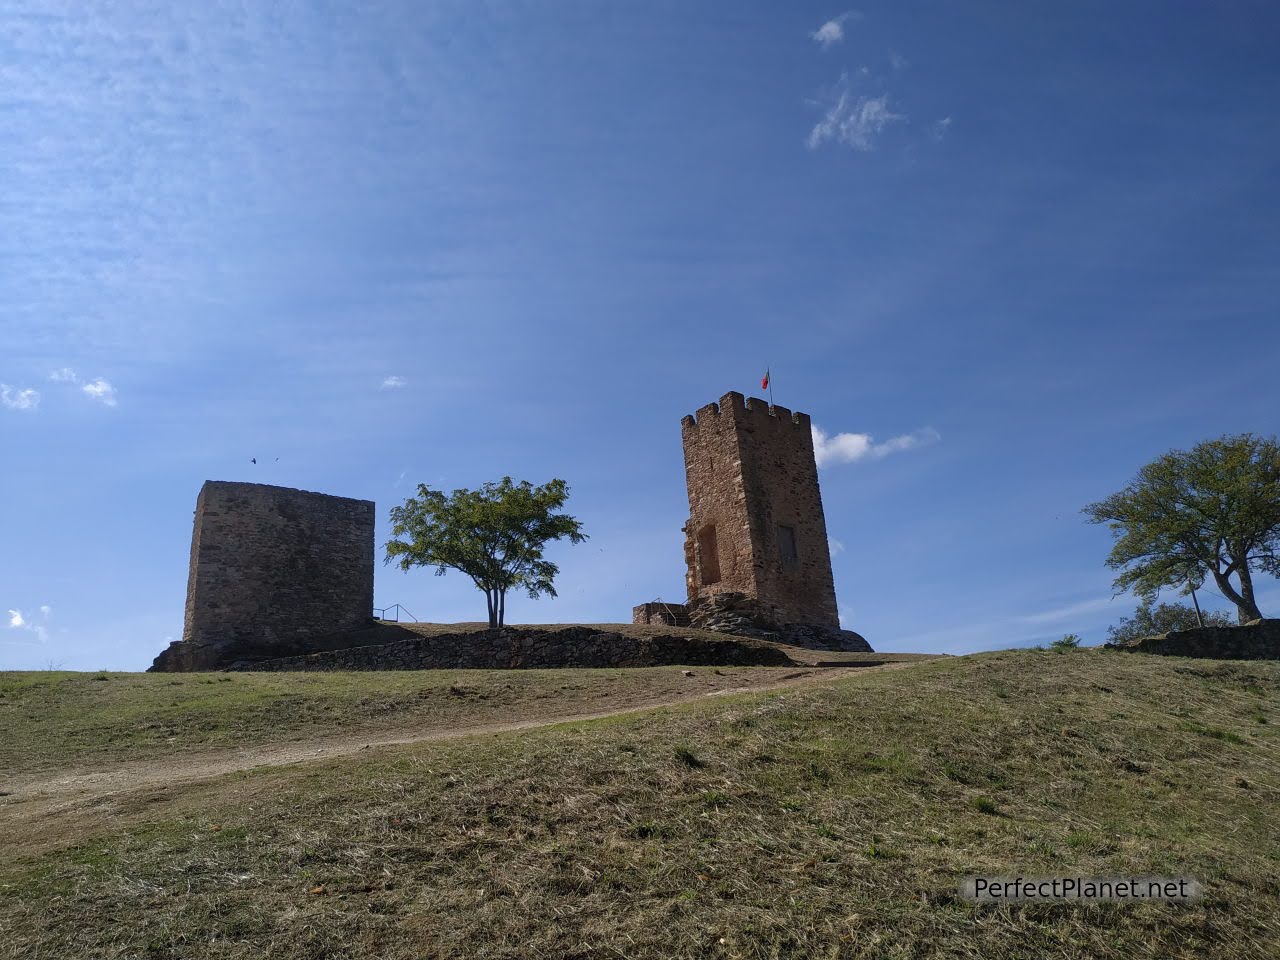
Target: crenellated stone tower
{"x":756,"y":525}
{"x":756,"y":557}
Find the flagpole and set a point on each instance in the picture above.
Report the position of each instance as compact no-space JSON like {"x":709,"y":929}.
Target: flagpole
{"x":771,"y":386}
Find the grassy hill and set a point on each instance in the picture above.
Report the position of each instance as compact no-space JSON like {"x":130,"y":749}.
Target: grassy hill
{"x":831,"y":819}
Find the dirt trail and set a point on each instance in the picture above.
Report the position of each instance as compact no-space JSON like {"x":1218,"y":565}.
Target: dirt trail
{"x":43,"y":810}
{"x":40,"y":795}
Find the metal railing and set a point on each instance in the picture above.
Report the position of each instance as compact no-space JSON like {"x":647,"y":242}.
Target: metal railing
{"x":380,"y":613}
{"x":673,"y":618}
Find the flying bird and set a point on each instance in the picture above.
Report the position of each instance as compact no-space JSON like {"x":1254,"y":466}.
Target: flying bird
{"x":253,"y":459}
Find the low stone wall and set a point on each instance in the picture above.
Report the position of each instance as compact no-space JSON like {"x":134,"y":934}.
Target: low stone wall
{"x":1258,"y":640}
{"x":517,"y":648}
{"x":177,"y":659}
{"x":659,"y":613}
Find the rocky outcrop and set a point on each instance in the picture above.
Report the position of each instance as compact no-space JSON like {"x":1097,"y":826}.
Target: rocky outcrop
{"x":742,"y":616}
{"x":1257,"y":640}
{"x":528,"y":648}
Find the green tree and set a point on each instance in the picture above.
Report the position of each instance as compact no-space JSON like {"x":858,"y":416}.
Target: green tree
{"x":1210,"y":512}
{"x":1151,"y":620}
{"x":495,"y":535}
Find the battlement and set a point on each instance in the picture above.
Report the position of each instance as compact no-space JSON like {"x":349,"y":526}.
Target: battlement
{"x":756,"y":525}
{"x":740,"y":408}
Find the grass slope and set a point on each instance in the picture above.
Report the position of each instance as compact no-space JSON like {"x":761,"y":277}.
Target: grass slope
{"x":52,"y":719}
{"x":829,"y":821}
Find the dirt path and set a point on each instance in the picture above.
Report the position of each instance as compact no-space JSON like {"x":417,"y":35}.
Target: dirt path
{"x":41,"y":810}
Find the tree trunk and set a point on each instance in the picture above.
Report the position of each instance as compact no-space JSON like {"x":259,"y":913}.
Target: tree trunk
{"x":1246,"y":608}
{"x":502,"y":607}
{"x":490,"y":601}
{"x":1199,"y":615}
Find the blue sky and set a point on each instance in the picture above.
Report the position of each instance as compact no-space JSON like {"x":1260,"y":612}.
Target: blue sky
{"x":398,"y":242}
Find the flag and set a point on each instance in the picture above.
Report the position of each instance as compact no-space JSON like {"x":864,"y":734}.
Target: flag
{"x":764,"y":381}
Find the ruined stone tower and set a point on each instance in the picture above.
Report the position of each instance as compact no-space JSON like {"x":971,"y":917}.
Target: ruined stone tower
{"x":273,"y":569}
{"x":756,"y":525}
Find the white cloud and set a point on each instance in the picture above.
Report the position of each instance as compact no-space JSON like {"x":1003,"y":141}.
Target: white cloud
{"x":393,"y":383}
{"x":940,"y":128}
{"x":835,"y":546}
{"x":898,"y":61}
{"x":18,"y":622}
{"x":832,"y":32}
{"x":853,"y":120}
{"x":849,"y":447}
{"x":18,"y":398}
{"x":101,"y":391}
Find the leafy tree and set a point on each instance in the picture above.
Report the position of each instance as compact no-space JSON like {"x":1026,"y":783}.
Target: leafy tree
{"x":1212,"y":511}
{"x":1150,"y":621}
{"x":495,"y":535}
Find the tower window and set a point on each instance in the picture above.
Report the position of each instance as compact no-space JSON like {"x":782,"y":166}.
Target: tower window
{"x":708,"y":555}
{"x":787,"y":545}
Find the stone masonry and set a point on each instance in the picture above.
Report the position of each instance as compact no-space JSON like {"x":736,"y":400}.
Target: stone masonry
{"x":756,"y":525}
{"x":1255,"y":640}
{"x":272,"y":570}
{"x":756,"y":554}
{"x":534,"y":647}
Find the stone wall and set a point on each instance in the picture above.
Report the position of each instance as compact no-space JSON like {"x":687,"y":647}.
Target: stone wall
{"x":272,"y":570}
{"x":1257,"y":640}
{"x":531,"y":648}
{"x":751,"y":472}
{"x":660,"y":613}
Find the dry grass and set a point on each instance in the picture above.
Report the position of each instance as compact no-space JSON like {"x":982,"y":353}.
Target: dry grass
{"x":96,"y":720}
{"x":829,"y":821}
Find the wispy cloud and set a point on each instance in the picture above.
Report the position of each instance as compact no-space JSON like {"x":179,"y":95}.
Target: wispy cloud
{"x":939,"y":129}
{"x":1068,"y":612}
{"x":853,"y":119}
{"x":898,"y":61}
{"x":849,"y":447}
{"x":832,"y":32}
{"x":101,"y":391}
{"x":17,"y":621}
{"x":393,"y":383}
{"x":1011,"y":630}
{"x":19,"y":398}
{"x":835,"y":546}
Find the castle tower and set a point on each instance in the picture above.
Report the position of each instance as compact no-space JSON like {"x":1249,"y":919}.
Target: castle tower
{"x":272,"y":570}
{"x":755,"y":513}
